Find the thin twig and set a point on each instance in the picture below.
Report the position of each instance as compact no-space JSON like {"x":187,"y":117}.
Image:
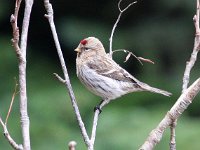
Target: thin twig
{"x":49,"y":16}
{"x":115,"y":25}
{"x":140,"y":59}
{"x":9,"y":138}
{"x":13,"y":21}
{"x":95,"y":121}
{"x":59,"y":78}
{"x":11,"y":103}
{"x":193,"y":58}
{"x":72,"y":145}
{"x":128,"y":56}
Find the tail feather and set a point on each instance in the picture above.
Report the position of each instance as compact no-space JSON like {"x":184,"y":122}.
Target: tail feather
{"x":155,"y":90}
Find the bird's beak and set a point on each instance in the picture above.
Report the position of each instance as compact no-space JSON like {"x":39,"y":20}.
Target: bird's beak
{"x":78,"y":50}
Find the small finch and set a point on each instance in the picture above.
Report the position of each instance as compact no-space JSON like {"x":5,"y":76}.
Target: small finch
{"x":103,"y":76}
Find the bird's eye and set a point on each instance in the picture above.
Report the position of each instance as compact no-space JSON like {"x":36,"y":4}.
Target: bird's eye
{"x":87,"y":49}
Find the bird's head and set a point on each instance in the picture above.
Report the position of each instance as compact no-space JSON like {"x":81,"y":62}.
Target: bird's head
{"x":90,"y":47}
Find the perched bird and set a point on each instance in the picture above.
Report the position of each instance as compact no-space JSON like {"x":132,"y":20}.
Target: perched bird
{"x":103,"y":76}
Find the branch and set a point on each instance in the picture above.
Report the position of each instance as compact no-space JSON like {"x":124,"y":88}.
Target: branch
{"x":9,"y":138}
{"x":175,"y":112}
{"x":140,"y":59}
{"x":183,"y":102}
{"x":13,"y":21}
{"x":118,"y":19}
{"x":25,"y":123}
{"x":95,"y":120}
{"x":72,"y":145}
{"x":186,"y":76}
{"x":11,"y":103}
{"x":193,"y":58}
{"x":66,"y":80}
{"x":21,"y":54}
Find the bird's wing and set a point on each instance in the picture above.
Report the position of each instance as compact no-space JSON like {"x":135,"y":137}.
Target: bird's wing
{"x":109,"y":68}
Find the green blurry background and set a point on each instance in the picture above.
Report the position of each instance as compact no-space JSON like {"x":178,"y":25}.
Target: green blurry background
{"x":161,"y":30}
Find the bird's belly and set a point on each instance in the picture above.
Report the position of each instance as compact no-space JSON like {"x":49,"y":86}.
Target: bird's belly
{"x":105,"y":87}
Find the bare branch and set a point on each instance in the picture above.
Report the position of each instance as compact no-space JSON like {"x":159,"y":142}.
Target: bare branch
{"x":173,"y":135}
{"x":175,"y":112}
{"x":13,"y":21}
{"x":21,"y":54}
{"x":59,"y":78}
{"x":146,"y":60}
{"x":49,"y":16}
{"x":1,"y":121}
{"x":140,"y":59}
{"x":11,"y":103}
{"x":9,"y":138}
{"x":128,"y":56}
{"x":95,"y":120}
{"x":24,"y":119}
{"x":115,"y":25}
{"x":72,"y":145}
{"x":193,"y":58}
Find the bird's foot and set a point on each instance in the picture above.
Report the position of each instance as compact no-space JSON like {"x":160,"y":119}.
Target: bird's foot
{"x":97,"y":108}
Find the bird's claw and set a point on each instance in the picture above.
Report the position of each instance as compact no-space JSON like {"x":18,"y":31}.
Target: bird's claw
{"x":97,"y":108}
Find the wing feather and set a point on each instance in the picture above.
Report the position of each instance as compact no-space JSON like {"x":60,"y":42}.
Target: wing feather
{"x":111,"y":69}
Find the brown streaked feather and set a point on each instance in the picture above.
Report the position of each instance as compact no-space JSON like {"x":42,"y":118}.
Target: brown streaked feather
{"x":111,"y":71}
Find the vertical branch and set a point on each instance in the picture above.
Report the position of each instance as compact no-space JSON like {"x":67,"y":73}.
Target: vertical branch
{"x":21,"y":54}
{"x":184,"y":100}
{"x":95,"y":121}
{"x":189,"y":66}
{"x":25,"y":123}
{"x":72,"y":145}
{"x":49,"y":16}
{"x":115,"y":25}
{"x":173,"y":135}
{"x":193,"y":57}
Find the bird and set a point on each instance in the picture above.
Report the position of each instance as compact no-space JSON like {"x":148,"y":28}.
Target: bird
{"x":103,"y":76}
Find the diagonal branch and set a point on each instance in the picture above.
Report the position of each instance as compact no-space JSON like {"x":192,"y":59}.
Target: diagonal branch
{"x":175,"y":112}
{"x":66,"y":80}
{"x":189,"y":66}
{"x":185,"y":99}
{"x":9,"y":138}
{"x":115,"y":25}
{"x":11,"y":103}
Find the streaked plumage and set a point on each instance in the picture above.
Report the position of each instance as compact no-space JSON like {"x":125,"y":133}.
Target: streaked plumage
{"x":102,"y":75}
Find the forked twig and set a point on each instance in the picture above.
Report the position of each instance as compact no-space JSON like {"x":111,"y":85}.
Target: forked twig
{"x":115,"y":25}
{"x":184,"y":100}
{"x":9,"y":138}
{"x":140,"y":59}
{"x":189,"y":66}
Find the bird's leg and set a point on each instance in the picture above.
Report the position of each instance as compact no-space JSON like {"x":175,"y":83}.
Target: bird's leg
{"x":101,"y":105}
{"x":98,"y":107}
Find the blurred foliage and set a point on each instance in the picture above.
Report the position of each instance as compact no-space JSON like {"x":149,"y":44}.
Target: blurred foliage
{"x":159,"y":30}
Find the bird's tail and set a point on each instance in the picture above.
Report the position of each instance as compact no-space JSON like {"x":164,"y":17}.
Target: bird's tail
{"x":146,"y":87}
